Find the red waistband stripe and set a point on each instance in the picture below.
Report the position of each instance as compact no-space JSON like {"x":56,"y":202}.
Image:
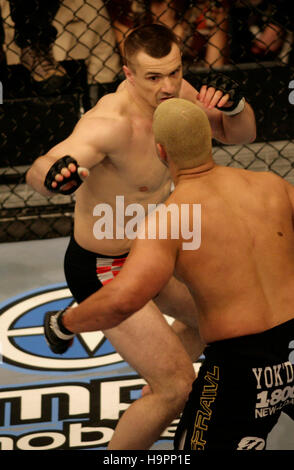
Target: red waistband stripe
{"x":108,"y":268}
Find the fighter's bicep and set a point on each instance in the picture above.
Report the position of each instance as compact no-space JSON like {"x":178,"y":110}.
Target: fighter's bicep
{"x":147,"y":270}
{"x":91,"y":141}
{"x":85,"y":145}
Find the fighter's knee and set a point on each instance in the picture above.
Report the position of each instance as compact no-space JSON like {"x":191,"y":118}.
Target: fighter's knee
{"x":184,"y":387}
{"x":178,"y":389}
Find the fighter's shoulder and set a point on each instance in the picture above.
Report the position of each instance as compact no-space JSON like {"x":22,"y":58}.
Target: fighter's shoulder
{"x":269,"y":177}
{"x":279,"y":186}
{"x":110,"y":112}
{"x":275,"y":184}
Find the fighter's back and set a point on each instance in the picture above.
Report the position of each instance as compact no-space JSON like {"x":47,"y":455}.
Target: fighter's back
{"x":242,"y":276}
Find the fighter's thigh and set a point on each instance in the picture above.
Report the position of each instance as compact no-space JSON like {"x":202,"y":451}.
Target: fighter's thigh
{"x":176,"y":301}
{"x":150,"y":346}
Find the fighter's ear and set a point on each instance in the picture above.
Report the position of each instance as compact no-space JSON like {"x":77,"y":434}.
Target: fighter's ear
{"x":161,"y":153}
{"x":128,"y":74}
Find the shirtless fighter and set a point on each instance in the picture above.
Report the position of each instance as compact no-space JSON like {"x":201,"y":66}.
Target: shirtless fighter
{"x":113,"y":144}
{"x":241,"y":278}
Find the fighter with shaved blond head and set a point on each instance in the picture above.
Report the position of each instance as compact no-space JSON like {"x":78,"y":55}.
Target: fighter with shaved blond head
{"x":193,"y":131}
{"x":241,"y":279}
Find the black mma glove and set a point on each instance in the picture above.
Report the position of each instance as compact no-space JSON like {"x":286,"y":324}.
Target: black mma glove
{"x":56,"y":169}
{"x":57,"y":336}
{"x":226,"y":85}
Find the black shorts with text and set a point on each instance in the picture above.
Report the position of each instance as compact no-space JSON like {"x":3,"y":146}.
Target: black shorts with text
{"x":243,"y":386}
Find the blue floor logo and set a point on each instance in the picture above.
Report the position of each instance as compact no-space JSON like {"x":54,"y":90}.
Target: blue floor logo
{"x":23,"y":342}
{"x":67,"y":402}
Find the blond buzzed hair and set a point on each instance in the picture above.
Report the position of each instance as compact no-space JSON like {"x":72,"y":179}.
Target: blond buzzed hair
{"x":183,"y":129}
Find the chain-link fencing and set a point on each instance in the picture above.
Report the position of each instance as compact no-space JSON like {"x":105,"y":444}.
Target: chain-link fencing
{"x":58,"y":58}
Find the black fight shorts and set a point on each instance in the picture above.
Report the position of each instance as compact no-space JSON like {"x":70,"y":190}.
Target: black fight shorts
{"x":243,"y":386}
{"x":86,"y":272}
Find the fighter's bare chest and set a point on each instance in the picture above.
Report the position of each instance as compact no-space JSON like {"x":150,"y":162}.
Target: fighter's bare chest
{"x":140,"y":163}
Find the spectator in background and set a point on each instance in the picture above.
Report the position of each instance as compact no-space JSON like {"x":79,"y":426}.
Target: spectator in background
{"x":201,"y":26}
{"x":209,"y":42}
{"x":85,"y":32}
{"x":258,"y":29}
{"x":172,"y":13}
{"x":122,"y":19}
{"x":274,"y":35}
{"x":35,"y":36}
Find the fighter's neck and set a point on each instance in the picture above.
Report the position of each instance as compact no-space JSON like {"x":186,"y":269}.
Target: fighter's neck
{"x":140,"y":106}
{"x":191,"y":173}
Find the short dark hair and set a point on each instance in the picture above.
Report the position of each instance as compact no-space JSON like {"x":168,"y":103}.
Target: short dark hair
{"x":155,"y":40}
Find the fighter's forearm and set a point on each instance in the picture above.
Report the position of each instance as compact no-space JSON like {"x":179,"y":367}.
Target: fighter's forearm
{"x":103,"y":310}
{"x":35,"y":176}
{"x":239,"y":128}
